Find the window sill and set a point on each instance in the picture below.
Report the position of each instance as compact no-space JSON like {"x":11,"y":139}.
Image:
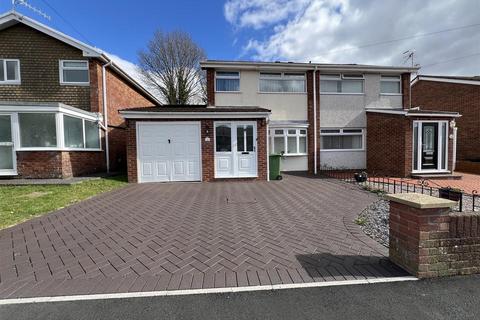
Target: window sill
{"x":391,"y":94}
{"x":228,"y":92}
{"x":292,"y":93}
{"x":8,"y":173}
{"x":57,"y":149}
{"x":76,"y":84}
{"x":341,"y":94}
{"x":342,"y":150}
{"x":10,"y":83}
{"x":293,"y":154}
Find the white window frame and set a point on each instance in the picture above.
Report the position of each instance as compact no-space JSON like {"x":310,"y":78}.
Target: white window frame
{"x":342,"y":133}
{"x":14,"y":111}
{"x":228,"y":78}
{"x":13,"y":124}
{"x":341,"y":77}
{"x":440,"y":154}
{"x":62,"y":68}
{"x":390,"y":80}
{"x":282,"y":78}
{"x":285,"y":136}
{"x":4,"y":62}
{"x":84,"y":135}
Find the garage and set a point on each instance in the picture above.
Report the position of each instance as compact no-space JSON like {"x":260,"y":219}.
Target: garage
{"x":196,"y":143}
{"x":169,"y":151}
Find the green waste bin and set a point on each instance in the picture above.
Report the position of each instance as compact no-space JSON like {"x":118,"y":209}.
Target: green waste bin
{"x":274,"y":162}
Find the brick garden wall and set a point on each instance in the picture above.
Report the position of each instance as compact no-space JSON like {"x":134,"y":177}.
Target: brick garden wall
{"x":454,"y":97}
{"x":208,"y":149}
{"x":434,"y":242}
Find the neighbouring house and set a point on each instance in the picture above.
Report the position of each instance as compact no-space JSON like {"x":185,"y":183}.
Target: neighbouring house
{"x":59,"y":102}
{"x":319,"y":116}
{"x":455,"y":94}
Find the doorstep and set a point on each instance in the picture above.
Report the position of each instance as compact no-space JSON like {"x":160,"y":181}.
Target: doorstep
{"x":437,"y":176}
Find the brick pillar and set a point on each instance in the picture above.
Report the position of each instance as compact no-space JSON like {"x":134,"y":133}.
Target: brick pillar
{"x":406,"y":90}
{"x":210,"y":86}
{"x":417,"y":223}
{"x":311,"y":120}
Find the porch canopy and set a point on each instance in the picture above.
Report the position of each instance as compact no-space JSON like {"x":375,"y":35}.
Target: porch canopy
{"x":406,"y":142}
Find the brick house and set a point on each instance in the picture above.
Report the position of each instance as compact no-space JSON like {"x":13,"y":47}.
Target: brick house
{"x":318,"y":116}
{"x":455,"y":94}
{"x":59,"y":102}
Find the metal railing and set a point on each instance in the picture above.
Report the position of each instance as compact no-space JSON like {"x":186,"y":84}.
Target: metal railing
{"x":384,"y":184}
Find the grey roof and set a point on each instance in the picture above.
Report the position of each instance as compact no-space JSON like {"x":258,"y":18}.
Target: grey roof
{"x":469,"y":78}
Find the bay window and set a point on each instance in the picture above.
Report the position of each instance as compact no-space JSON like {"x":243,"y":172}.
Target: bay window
{"x":57,"y":131}
{"x":226,"y":81}
{"x":9,"y":71}
{"x":342,"y":83}
{"x":37,"y":130}
{"x":342,"y":139}
{"x":390,"y":85}
{"x":282,"y":82}
{"x":288,"y":141}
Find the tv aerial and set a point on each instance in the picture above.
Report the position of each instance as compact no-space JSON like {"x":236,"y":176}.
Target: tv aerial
{"x":27,"y":5}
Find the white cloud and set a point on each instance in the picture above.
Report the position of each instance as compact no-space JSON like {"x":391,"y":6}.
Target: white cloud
{"x":339,"y":31}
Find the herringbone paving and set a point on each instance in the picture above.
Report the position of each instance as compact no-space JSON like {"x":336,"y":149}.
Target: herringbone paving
{"x":149,"y":237}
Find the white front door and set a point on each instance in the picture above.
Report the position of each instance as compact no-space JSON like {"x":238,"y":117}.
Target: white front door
{"x":168,"y":151}
{"x":8,"y":161}
{"x":235,"y":149}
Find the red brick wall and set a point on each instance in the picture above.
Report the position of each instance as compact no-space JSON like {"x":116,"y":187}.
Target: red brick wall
{"x":58,"y":164}
{"x":434,"y":242}
{"x":311,"y":120}
{"x":406,"y":90}
{"x":120,"y":95}
{"x":210,"y":86}
{"x":461,"y":98}
{"x":208,"y":149}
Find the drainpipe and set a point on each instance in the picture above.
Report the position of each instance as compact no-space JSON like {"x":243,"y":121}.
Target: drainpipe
{"x":315,"y":121}
{"x":105,"y":114}
{"x":454,"y":151}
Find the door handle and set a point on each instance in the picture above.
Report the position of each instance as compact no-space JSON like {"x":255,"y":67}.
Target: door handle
{"x":245,"y":152}
{"x":168,"y":140}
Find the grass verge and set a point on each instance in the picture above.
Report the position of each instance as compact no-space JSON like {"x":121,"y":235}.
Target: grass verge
{"x":20,"y":203}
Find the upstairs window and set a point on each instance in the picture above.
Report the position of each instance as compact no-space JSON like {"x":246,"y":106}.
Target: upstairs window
{"x":390,"y":85}
{"x":227,"y":81}
{"x":74,"y":72}
{"x":341,"y":139}
{"x":282,"y":82}
{"x":9,"y":71}
{"x":342,"y":83}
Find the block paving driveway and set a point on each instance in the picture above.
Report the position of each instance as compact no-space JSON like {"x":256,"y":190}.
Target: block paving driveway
{"x":151,"y":237}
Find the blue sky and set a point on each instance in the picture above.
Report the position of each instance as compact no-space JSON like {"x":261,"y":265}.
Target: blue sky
{"x":331,"y":31}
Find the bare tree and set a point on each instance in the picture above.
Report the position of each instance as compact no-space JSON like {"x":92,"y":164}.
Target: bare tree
{"x":171,"y":65}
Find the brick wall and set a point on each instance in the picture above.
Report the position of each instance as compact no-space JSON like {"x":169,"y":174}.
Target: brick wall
{"x":210,"y":86}
{"x":58,"y":164}
{"x":311,"y":120}
{"x":434,"y":242}
{"x":208,"y":148}
{"x":39,"y":57}
{"x":406,"y":90}
{"x":461,"y":98}
{"x":388,"y":152}
{"x":120,"y":95}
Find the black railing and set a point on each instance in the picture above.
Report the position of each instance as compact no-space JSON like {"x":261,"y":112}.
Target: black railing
{"x":384,"y":184}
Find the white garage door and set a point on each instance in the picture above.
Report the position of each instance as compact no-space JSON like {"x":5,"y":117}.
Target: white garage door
{"x":168,"y":151}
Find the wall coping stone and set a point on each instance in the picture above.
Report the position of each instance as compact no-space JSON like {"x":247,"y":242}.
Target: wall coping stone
{"x":420,"y":201}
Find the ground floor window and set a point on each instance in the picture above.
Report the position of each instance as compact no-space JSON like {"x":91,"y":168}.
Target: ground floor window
{"x":80,"y":133}
{"x":345,"y":139}
{"x":288,"y":141}
{"x":37,"y":130}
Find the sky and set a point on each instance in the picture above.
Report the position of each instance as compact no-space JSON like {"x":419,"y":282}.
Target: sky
{"x":445,"y":34}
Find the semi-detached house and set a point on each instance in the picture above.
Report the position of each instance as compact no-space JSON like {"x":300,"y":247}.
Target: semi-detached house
{"x":318,"y":116}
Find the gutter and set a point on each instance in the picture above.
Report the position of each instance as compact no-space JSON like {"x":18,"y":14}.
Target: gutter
{"x":105,"y":114}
